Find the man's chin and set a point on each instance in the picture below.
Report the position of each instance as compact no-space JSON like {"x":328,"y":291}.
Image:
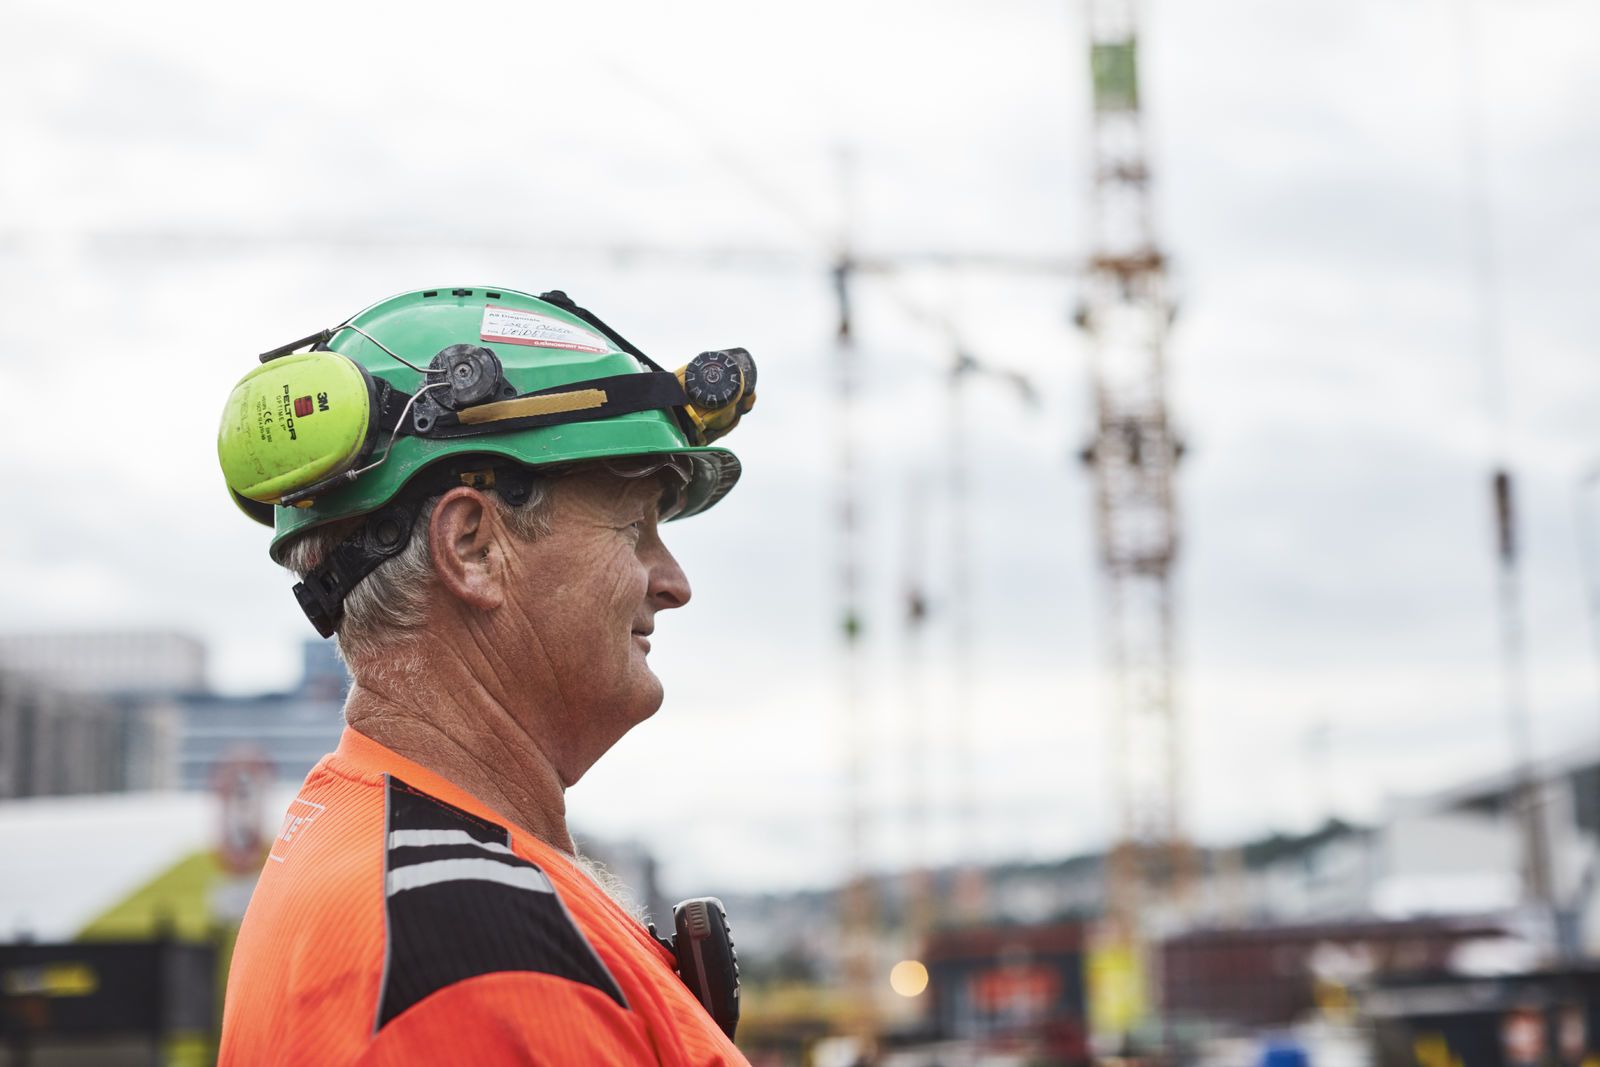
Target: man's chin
{"x":656,"y":694}
{"x":623,"y":713}
{"x":643,"y":699}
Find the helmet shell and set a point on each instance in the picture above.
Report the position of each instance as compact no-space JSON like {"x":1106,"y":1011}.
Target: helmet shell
{"x":418,"y":324}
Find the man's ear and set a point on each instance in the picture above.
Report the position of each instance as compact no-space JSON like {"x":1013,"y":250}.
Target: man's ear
{"x":461,"y":545}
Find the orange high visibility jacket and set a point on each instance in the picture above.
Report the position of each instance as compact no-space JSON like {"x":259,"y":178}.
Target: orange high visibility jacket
{"x":400,"y":921}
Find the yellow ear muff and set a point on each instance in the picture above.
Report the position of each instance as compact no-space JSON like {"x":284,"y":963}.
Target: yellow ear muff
{"x":295,"y":421}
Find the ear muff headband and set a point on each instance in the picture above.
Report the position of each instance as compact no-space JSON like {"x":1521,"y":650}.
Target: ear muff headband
{"x":295,"y":421}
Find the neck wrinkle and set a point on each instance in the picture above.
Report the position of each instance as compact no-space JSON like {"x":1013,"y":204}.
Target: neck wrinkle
{"x":448,"y":722}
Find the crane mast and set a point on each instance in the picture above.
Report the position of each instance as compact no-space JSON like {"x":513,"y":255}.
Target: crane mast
{"x":1133,"y":456}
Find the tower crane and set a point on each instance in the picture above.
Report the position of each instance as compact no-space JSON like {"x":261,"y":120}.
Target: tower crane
{"x":1133,"y":458}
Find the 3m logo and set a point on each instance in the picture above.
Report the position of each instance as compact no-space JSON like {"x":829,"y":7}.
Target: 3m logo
{"x":303,"y":406}
{"x":296,"y":822}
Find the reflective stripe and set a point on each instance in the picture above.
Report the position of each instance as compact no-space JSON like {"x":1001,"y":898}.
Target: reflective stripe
{"x":422,"y":874}
{"x":412,"y":838}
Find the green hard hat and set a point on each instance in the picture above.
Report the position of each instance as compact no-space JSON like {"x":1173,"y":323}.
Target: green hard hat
{"x":542,"y":344}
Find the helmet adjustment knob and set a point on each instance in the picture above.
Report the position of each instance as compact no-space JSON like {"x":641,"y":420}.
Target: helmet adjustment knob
{"x":389,"y":533}
{"x":470,"y":374}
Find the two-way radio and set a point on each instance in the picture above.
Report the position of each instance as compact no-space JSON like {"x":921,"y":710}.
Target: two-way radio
{"x":706,"y":961}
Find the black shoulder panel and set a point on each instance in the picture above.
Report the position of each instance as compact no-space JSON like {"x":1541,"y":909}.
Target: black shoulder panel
{"x":461,"y":904}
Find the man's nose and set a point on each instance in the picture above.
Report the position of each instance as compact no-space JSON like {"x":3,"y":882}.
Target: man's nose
{"x":669,"y":586}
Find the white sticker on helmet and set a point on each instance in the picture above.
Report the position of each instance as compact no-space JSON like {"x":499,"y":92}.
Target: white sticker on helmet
{"x":514,"y":326}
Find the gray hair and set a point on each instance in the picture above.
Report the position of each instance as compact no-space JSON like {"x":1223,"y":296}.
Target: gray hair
{"x":391,"y":603}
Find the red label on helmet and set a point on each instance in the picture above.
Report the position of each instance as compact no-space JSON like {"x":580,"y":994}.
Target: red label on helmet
{"x":303,"y":406}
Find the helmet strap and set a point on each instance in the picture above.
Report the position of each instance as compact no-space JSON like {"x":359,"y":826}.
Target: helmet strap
{"x":566,"y":303}
{"x":386,"y":532}
{"x":597,"y":398}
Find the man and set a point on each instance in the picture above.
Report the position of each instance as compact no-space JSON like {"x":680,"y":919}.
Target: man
{"x":470,"y":484}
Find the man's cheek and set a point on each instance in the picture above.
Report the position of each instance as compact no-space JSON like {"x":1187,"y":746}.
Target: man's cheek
{"x":628,"y":584}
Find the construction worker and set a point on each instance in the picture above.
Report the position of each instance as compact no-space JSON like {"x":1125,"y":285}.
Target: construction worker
{"x":470,"y":484}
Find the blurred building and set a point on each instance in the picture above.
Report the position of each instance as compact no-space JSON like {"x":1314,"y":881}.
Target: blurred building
{"x":290,"y":730}
{"x":116,"y":711}
{"x":123,"y":663}
{"x":56,"y":742}
{"x":1456,"y":852}
{"x":1271,"y":924}
{"x":1011,"y":983}
{"x":1272,"y":976}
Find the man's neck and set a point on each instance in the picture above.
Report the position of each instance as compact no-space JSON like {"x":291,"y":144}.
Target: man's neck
{"x":465,"y":736}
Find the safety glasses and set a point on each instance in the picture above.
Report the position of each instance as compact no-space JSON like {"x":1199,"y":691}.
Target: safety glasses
{"x":672,"y":495}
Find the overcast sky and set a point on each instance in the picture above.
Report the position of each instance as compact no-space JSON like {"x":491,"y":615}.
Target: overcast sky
{"x":182,"y":186}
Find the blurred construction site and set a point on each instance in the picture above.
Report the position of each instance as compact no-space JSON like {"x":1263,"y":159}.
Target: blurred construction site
{"x":1161,"y":619}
